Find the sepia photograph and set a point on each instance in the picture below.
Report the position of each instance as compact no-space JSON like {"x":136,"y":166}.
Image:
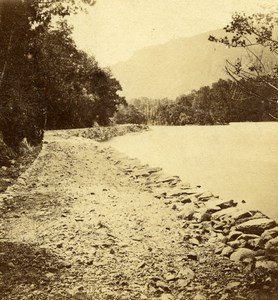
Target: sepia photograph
{"x":138,"y":150}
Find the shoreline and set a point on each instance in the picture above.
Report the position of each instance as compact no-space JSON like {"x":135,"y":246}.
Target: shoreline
{"x":222,"y":160}
{"x":107,"y":217}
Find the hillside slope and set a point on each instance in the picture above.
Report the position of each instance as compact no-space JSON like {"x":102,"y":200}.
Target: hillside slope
{"x":174,"y":68}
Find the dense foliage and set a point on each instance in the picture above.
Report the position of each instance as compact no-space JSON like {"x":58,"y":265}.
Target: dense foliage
{"x":45,"y":82}
{"x":129,"y":114}
{"x":225,"y":101}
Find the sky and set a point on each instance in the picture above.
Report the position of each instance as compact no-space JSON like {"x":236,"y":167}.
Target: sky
{"x":113,"y":30}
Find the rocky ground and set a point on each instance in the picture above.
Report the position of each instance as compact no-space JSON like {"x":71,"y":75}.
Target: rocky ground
{"x":85,"y":222}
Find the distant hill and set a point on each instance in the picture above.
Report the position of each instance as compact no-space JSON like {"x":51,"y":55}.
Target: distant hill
{"x":174,"y":68}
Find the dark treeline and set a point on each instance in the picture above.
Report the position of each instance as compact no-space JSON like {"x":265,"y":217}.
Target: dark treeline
{"x":225,"y":101}
{"x":45,"y":82}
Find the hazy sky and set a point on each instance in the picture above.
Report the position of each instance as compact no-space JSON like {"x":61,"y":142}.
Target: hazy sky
{"x":113,"y":29}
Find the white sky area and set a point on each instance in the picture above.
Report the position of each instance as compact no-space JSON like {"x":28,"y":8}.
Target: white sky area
{"x":114,"y":29}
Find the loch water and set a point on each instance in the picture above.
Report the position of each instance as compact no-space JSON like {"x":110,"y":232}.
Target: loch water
{"x":237,"y":161}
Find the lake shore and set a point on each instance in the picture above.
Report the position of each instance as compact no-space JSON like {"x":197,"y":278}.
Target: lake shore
{"x":236,"y":162}
{"x":86,"y":221}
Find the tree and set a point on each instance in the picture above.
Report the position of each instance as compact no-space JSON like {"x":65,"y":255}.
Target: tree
{"x":45,"y":82}
{"x":256,"y":35}
{"x":129,"y":114}
{"x":19,"y":114}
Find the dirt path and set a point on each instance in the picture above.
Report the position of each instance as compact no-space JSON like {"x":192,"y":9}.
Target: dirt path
{"x":76,"y":227}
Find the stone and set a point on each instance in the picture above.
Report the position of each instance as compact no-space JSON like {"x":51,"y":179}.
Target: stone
{"x":243,"y":214}
{"x":267,"y":264}
{"x":199,"y":297}
{"x":161,"y":284}
{"x":141,"y":265}
{"x":256,"y":243}
{"x":166,"y":297}
{"x":194,"y":242}
{"x":154,"y":170}
{"x":247,"y":237}
{"x":186,"y":273}
{"x":205,"y":196}
{"x":176,"y":192}
{"x":256,"y":226}
{"x":270,"y":234}
{"x":192,"y":255}
{"x":221,"y":237}
{"x":233,"y":235}
{"x":184,"y":199}
{"x":231,"y":212}
{"x":167,"y":179}
{"x":272,"y":244}
{"x":11,"y":265}
{"x":187,"y":212}
{"x":235,"y":244}
{"x":219,"y":248}
{"x":21,"y":181}
{"x":197,"y":191}
{"x":49,"y":275}
{"x":170,"y":277}
{"x":227,"y":251}
{"x":218,"y":225}
{"x":183,"y":282}
{"x":227,"y":204}
{"x":205,"y":216}
{"x":212,"y":208}
{"x":241,"y":254}
{"x":233,"y":285}
{"x":59,"y":245}
{"x":224,"y":297}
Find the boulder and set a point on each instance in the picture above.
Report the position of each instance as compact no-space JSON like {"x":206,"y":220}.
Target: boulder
{"x":272,"y":244}
{"x":184,"y":199}
{"x":205,"y":196}
{"x":241,"y":254}
{"x":227,"y":204}
{"x":167,"y":179}
{"x":266,"y":264}
{"x":249,"y":236}
{"x":270,"y":234}
{"x":225,"y":212}
{"x":187,"y":212}
{"x":219,"y":248}
{"x":256,"y":243}
{"x":235,"y":244}
{"x":227,"y":251}
{"x":233,"y":235}
{"x":176,"y":192}
{"x":256,"y":226}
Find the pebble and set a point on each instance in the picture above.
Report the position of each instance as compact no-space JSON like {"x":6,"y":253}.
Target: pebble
{"x":166,"y":297}
{"x":199,"y":297}
{"x":233,"y":285}
{"x":192,"y":255}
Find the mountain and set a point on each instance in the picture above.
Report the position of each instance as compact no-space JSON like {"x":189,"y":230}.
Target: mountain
{"x":174,"y":68}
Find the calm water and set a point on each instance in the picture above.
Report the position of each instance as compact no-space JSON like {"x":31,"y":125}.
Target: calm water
{"x":238,"y":161}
